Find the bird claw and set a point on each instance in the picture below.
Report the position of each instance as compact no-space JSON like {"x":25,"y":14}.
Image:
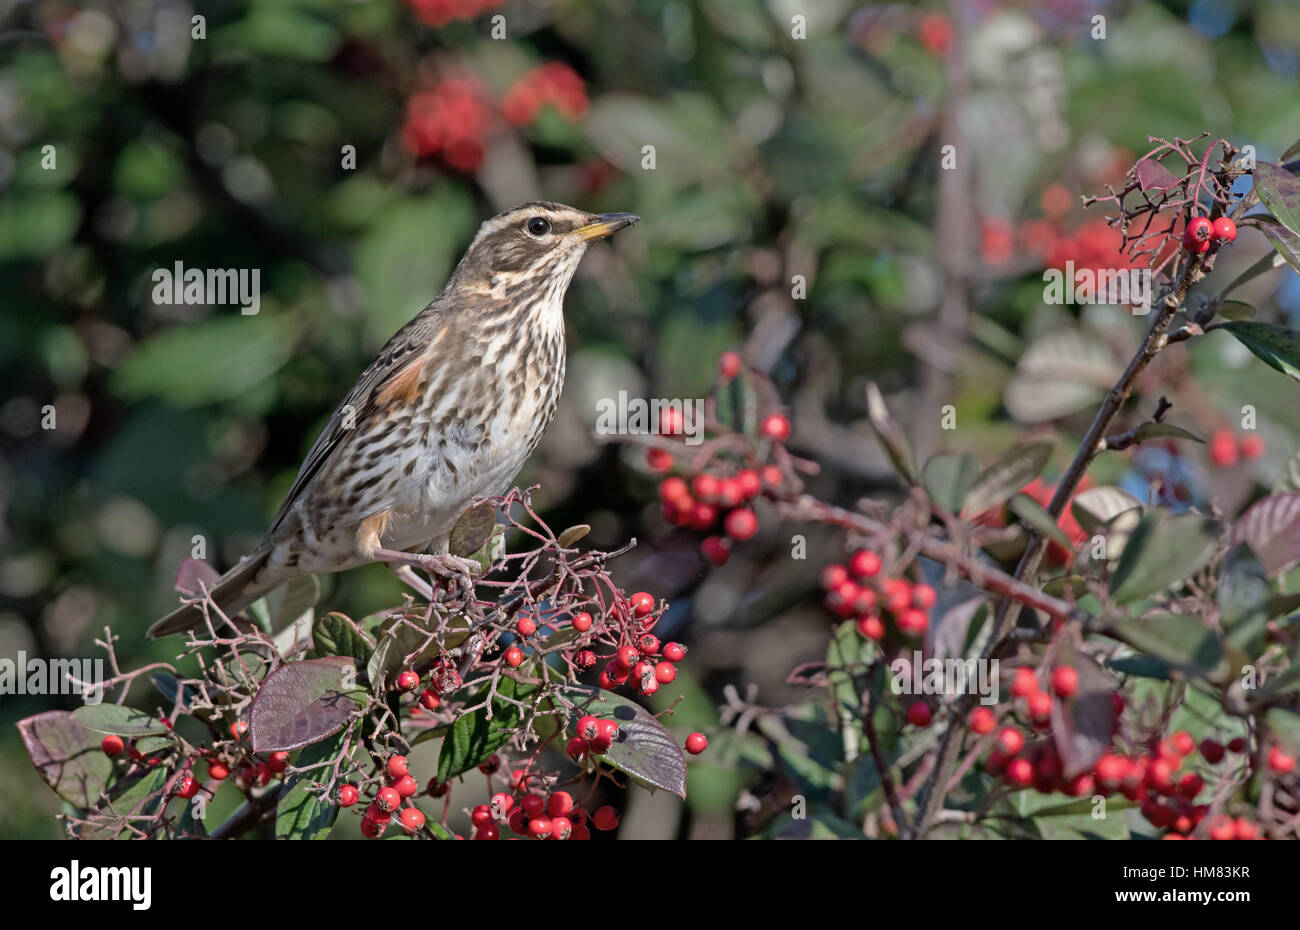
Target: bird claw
{"x":453,"y":568}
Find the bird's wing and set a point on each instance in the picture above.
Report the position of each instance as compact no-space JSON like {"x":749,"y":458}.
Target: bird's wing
{"x":383,"y":374}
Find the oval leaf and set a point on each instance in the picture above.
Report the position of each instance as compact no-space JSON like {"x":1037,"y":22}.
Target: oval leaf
{"x":947,"y":479}
{"x":1271,"y":527}
{"x":114,"y":718}
{"x":1177,"y":639}
{"x":1276,"y":346}
{"x":302,"y":703}
{"x":1163,"y":550}
{"x":1279,"y":190}
{"x":302,"y":813}
{"x":66,"y":754}
{"x":1095,"y":507}
{"x":645,"y":751}
{"x":1014,"y":469}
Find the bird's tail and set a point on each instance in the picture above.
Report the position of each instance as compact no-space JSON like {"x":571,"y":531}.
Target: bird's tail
{"x":232,"y":592}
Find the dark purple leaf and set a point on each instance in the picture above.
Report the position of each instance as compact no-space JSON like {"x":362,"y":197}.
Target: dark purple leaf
{"x":1271,"y":527}
{"x":1284,"y":241}
{"x":645,"y":750}
{"x":1083,"y":725}
{"x":1279,"y":190}
{"x":1153,"y":176}
{"x":194,"y":576}
{"x":303,"y":702}
{"x":67,"y":755}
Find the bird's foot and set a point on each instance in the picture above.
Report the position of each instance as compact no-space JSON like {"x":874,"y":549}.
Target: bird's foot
{"x":450,"y":568}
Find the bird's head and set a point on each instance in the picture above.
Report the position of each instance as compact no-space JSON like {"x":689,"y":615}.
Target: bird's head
{"x":539,"y":241}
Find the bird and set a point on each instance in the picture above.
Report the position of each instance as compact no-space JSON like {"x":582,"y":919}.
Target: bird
{"x":447,"y":414}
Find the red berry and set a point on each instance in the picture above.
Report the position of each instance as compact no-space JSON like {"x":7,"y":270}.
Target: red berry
{"x":186,"y":787}
{"x":372,"y":829}
{"x":665,"y":672}
{"x":429,"y":699}
{"x":585,"y":658}
{"x":705,"y":486}
{"x":277,"y":762}
{"x":559,"y":804}
{"x":627,"y":656}
{"x":1212,"y":751}
{"x":576,"y":748}
{"x":741,"y":524}
{"x":388,"y":799}
{"x":696,"y":743}
{"x":605,"y":819}
{"x":1025,"y":684}
{"x":1065,"y":681}
{"x":729,"y":365}
{"x":1224,"y":229}
{"x":1183,"y":743}
{"x":581,"y":621}
{"x":1252,"y":447}
{"x":643,"y":605}
{"x":238,"y":729}
{"x":348,"y":795}
{"x":487,"y":831}
{"x":924,"y":596}
{"x":864,"y":564}
{"x":526,"y":626}
{"x":481,"y":815}
{"x":1223,"y":449}
{"x":730,"y":494}
{"x":539,"y":827}
{"x":412,"y":819}
{"x":750,"y":484}
{"x":491,"y":765}
{"x":1280,"y":761}
{"x":1040,"y":708}
{"x":1198,"y":232}
{"x":1020,"y":772}
{"x":408,"y":787}
{"x":919,"y":714}
{"x":1010,"y":741}
{"x":586,"y":726}
{"x":1243,"y":829}
{"x":407,"y":680}
{"x":871,"y":626}
{"x":606,"y":731}
{"x":716,"y":549}
{"x":1237,"y":745}
{"x":772,"y":476}
{"x":561,"y":828}
{"x":396,"y":767}
{"x":1223,"y":827}
{"x":775,"y":427}
{"x":982,"y":720}
{"x":112,"y":745}
{"x":674,"y":490}
{"x":913,"y":621}
{"x":674,"y":652}
{"x":514,"y":657}
{"x":1190,"y":785}
{"x":218,"y":771}
{"x":832,"y":576}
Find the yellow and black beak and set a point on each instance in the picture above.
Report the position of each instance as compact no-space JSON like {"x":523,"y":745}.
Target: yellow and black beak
{"x":604,"y":225}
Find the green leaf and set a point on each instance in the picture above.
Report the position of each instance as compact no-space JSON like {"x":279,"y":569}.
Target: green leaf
{"x":1164,"y":431}
{"x":1096,"y":507}
{"x":947,"y":478}
{"x":140,"y":797}
{"x":1083,"y":725}
{"x":302,"y":813}
{"x":1276,"y":346}
{"x":475,"y":736}
{"x":1177,"y":639}
{"x":67,"y":755}
{"x":1012,"y":470}
{"x":199,"y":363}
{"x":1285,"y":726}
{"x":1285,"y":243}
{"x":1141,"y":666}
{"x":1271,"y":527}
{"x":1264,"y":265}
{"x":114,"y":718}
{"x":1279,"y":190}
{"x":1033,"y":514}
{"x":891,"y":437}
{"x":336,"y":635}
{"x":1163,"y":550}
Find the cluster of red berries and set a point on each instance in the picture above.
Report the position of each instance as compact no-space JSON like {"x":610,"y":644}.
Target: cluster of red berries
{"x":1227,"y":449}
{"x":1200,"y":233}
{"x":401,"y":787}
{"x":441,"y":12}
{"x":251,"y":771}
{"x":552,"y":816}
{"x":554,"y":83}
{"x":859,"y":590}
{"x":449,"y":121}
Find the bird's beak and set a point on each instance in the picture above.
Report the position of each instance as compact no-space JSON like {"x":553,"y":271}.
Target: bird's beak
{"x":605,"y":224}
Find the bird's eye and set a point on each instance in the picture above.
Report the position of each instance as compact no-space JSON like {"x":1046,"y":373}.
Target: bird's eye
{"x":539,"y":226}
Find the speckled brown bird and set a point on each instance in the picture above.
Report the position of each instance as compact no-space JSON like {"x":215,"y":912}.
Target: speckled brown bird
{"x":455,"y":403}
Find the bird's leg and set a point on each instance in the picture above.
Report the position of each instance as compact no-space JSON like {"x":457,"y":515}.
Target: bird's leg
{"x":408,"y":577}
{"x":444,"y":565}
